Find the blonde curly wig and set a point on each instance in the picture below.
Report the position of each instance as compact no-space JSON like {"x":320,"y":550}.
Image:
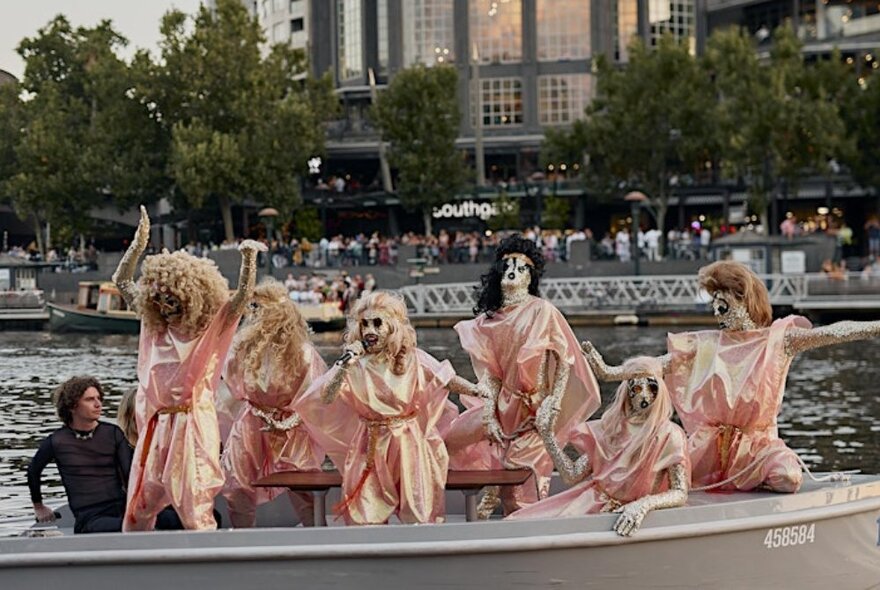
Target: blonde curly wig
{"x":274,"y":334}
{"x":195,"y":282}
{"x":401,"y":340}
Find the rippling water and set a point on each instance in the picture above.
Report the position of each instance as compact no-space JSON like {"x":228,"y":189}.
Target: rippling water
{"x":831,"y":415}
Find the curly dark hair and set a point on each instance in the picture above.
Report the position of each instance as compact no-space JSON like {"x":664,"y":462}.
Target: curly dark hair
{"x":67,"y":395}
{"x":489,"y":295}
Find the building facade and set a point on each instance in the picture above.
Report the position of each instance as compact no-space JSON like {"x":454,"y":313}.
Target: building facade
{"x":524,"y":66}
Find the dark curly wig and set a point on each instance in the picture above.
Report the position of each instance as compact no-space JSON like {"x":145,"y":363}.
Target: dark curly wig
{"x":68,"y":394}
{"x":489,"y":295}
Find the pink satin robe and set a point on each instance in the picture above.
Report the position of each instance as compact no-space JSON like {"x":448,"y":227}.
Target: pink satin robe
{"x":250,"y":452}
{"x":727,"y":387}
{"x":509,"y":346}
{"x":618,"y":474}
{"x":382,"y":434}
{"x":177,"y":458}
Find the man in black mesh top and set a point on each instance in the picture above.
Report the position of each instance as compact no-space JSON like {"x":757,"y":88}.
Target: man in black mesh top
{"x":93,"y":458}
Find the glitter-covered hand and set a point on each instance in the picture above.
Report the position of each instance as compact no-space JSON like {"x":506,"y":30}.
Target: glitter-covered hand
{"x":633,"y":514}
{"x":247,"y":276}
{"x":490,"y":390}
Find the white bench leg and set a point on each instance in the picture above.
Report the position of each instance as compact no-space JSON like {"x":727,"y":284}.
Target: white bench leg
{"x":320,"y":507}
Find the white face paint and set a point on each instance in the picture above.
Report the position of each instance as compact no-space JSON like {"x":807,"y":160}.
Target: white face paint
{"x":516,"y":276}
{"x":375,"y":329}
{"x":642,"y":393}
{"x":731,"y":312}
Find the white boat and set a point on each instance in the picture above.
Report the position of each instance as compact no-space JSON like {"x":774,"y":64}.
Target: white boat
{"x":825,"y":536}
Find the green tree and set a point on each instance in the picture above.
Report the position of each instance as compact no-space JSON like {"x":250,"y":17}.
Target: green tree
{"x":307,"y":224}
{"x":556,"y":213}
{"x":775,"y":119}
{"x":507,"y":213}
{"x":649,"y":124}
{"x":418,"y":115}
{"x":238,"y":125}
{"x":80,"y":138}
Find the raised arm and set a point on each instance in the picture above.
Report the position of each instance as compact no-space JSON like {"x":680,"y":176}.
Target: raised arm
{"x":606,"y":372}
{"x":634,"y":513}
{"x":247,"y":276}
{"x":801,"y":339}
{"x":124,"y":275}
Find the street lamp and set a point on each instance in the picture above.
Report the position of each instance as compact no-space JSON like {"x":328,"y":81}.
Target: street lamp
{"x":267,"y":215}
{"x":635,"y":200}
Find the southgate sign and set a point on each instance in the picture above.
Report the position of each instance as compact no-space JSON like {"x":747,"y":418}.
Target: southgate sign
{"x":465,"y":209}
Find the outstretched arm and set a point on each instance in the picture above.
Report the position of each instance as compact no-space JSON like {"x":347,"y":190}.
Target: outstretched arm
{"x":634,"y":513}
{"x":606,"y":372}
{"x":462,"y":386}
{"x":801,"y":339}
{"x":124,"y":275}
{"x":247,"y":276}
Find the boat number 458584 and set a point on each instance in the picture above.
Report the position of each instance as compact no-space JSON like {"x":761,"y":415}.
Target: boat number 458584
{"x":789,"y":536}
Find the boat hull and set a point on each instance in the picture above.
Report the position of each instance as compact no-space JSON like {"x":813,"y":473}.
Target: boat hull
{"x":63,"y":318}
{"x":718,"y":541}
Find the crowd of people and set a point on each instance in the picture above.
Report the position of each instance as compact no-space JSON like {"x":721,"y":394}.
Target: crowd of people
{"x":317,"y":288}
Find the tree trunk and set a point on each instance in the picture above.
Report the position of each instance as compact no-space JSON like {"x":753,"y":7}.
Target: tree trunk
{"x":38,"y":231}
{"x":190,"y":228}
{"x":662,"y":209}
{"x":226,"y":213}
{"x":427,"y":210}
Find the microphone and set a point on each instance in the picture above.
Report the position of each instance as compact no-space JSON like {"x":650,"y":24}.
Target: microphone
{"x":346,"y":356}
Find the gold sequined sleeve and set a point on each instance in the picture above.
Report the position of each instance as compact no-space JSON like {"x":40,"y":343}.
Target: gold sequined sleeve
{"x":801,"y":339}
{"x":462,"y":386}
{"x":247,"y":276}
{"x":123,"y":277}
{"x":605,"y":372}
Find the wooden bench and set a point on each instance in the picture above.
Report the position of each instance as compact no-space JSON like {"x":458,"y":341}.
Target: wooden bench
{"x":318,"y":483}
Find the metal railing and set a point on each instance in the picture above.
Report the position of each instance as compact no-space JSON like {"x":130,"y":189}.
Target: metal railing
{"x":582,"y":294}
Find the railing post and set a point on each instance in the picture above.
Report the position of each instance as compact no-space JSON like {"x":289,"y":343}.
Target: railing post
{"x":420,"y":298}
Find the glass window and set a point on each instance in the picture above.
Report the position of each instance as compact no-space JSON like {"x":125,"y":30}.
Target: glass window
{"x":496,"y":28}
{"x":672,"y":16}
{"x":499,"y":101}
{"x":382,"y":33}
{"x":563,"y":98}
{"x":427,"y":32}
{"x":348,"y":39}
{"x":563,"y":29}
{"x":293,"y":4}
{"x":627,"y":27}
{"x":296,"y":25}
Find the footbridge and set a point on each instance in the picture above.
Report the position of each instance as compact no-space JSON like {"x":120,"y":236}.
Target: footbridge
{"x":662,"y":293}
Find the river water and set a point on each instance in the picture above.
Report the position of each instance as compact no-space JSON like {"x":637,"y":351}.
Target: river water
{"x":831,"y":415}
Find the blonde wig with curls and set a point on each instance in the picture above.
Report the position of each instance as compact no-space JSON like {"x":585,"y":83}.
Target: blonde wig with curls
{"x":737,"y":278}
{"x":273,"y":334}
{"x":195,"y":282}
{"x":613,"y":421}
{"x":401,"y":340}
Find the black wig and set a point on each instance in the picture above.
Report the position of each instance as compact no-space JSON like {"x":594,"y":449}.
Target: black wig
{"x":489,"y":295}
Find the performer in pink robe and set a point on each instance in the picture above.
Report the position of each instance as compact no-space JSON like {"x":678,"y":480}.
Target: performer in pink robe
{"x":727,"y":385}
{"x":634,"y":458}
{"x":272,"y":363}
{"x":382,"y":431}
{"x":188,"y":321}
{"x":522,"y":351}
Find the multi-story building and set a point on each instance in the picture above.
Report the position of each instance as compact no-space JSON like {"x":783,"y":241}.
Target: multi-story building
{"x":524,"y":66}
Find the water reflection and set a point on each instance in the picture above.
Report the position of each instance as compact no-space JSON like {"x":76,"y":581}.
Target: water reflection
{"x":831,"y":415}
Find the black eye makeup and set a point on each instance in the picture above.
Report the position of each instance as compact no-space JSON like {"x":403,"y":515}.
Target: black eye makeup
{"x":377,"y":323}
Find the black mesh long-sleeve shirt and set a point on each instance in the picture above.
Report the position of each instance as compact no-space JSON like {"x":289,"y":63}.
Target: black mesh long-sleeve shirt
{"x":93,"y":471}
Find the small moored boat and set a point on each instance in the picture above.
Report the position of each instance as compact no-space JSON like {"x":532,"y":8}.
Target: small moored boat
{"x":99,"y":308}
